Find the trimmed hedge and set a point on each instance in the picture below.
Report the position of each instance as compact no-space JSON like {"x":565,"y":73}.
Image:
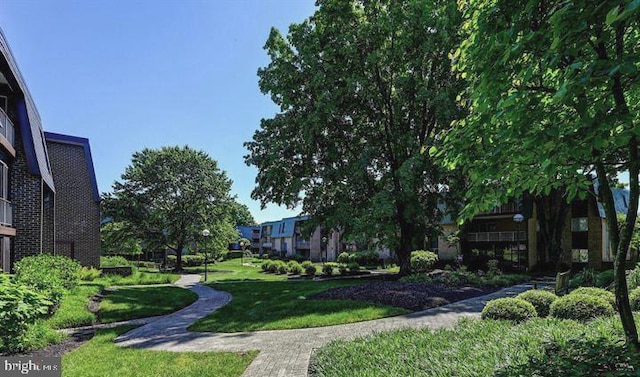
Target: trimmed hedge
{"x":580,"y":307}
{"x":113,"y":261}
{"x":597,"y":292}
{"x":541,"y":300}
{"x":423,"y":260}
{"x":294,"y":267}
{"x":510,"y":309}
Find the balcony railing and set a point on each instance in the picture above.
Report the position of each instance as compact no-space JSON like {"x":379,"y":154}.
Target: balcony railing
{"x":6,"y":213}
{"x":6,"y":127}
{"x":502,"y":209}
{"x":303,"y":245}
{"x":497,"y":236}
{"x":267,"y":244}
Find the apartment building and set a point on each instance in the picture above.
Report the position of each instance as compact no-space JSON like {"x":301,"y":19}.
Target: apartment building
{"x":37,"y":179}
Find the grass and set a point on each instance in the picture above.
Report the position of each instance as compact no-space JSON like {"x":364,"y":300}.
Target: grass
{"x":284,"y":305}
{"x":74,"y":311}
{"x":139,"y":302}
{"x":115,"y":361}
{"x":233,"y":270}
{"x":541,"y":347}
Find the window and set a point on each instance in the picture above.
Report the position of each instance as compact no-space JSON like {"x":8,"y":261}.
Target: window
{"x":580,"y":255}
{"x":580,"y":224}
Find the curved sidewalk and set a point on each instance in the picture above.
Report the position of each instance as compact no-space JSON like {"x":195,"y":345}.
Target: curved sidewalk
{"x":283,"y":353}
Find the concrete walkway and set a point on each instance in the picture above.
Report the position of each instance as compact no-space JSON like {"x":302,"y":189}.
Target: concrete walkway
{"x":284,"y":353}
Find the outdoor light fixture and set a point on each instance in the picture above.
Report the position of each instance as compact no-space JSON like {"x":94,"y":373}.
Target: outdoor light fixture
{"x":518,"y":218}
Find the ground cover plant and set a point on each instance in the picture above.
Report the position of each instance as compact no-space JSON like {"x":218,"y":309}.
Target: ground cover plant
{"x":125,"y":362}
{"x":233,"y":270}
{"x":285,"y":305}
{"x":539,"y":347}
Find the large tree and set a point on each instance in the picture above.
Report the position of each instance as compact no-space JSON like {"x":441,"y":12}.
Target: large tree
{"x":363,"y":87}
{"x":553,"y":101}
{"x":167,"y":196}
{"x":240,"y":214}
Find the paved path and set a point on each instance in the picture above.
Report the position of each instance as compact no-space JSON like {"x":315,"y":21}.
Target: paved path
{"x":283,"y":353}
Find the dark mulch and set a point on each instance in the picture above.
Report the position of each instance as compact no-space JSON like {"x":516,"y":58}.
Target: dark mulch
{"x":57,"y":350}
{"x":412,"y":296}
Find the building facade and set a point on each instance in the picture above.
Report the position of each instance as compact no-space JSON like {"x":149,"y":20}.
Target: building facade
{"x":28,"y":192}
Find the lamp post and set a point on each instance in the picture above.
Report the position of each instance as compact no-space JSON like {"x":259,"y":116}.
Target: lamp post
{"x":242,"y":255}
{"x":205,"y":234}
{"x":324,"y":246}
{"x":518,"y":218}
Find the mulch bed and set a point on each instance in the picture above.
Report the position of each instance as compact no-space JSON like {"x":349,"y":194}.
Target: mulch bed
{"x":57,"y":350}
{"x":412,"y":296}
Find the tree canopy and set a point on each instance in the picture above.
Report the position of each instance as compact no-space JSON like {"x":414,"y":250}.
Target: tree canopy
{"x":552,"y":98}
{"x":363,"y":87}
{"x":167,"y":196}
{"x":240,"y":214}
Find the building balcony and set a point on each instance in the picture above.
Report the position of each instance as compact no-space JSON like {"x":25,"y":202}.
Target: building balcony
{"x":497,"y":237}
{"x":303,"y":245}
{"x":267,"y":244}
{"x":6,"y":213}
{"x":507,"y":208}
{"x":7,"y":131}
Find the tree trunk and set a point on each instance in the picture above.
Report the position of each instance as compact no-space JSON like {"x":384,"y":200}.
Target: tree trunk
{"x":406,"y":246}
{"x":178,"y":267}
{"x":552,"y":213}
{"x":621,"y":289}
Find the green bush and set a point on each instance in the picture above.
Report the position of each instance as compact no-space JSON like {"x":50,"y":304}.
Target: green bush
{"x":343,"y":257}
{"x":633,"y":277}
{"x":89,"y":274}
{"x":48,"y":275}
{"x":634,"y":299}
{"x":597,"y":292}
{"x":493,"y":267}
{"x":116,"y":261}
{"x":233,"y":254}
{"x":19,"y":307}
{"x":273,"y":267}
{"x":511,"y":309}
{"x":309,"y":269}
{"x":265,"y":265}
{"x":327,"y":269}
{"x":353,"y":266}
{"x":604,"y":279}
{"x":343,"y":269}
{"x":294,"y":267}
{"x":580,"y":307}
{"x":423,"y":260}
{"x":584,"y":278}
{"x":364,"y":258}
{"x":541,"y":300}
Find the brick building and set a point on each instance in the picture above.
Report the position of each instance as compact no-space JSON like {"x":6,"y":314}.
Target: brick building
{"x":29,"y":222}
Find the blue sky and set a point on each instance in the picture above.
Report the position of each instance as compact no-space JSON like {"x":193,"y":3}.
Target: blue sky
{"x":141,"y":74}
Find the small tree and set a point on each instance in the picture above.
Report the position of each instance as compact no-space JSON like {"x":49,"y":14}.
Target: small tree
{"x":168,"y":195}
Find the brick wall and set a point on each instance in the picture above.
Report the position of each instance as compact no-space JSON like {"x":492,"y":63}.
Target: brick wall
{"x":25,"y":193}
{"x":77,"y":215}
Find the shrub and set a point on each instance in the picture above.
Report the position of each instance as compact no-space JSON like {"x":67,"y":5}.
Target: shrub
{"x":511,"y":309}
{"x":364,"y":258}
{"x":353,"y":266}
{"x":493,"y":267}
{"x":633,"y":277}
{"x":327,"y":269}
{"x":19,"y":307}
{"x":604,"y":279}
{"x":541,"y":300}
{"x":343,"y":258}
{"x":294,"y":267}
{"x":584,"y":278}
{"x":89,"y":274}
{"x":597,"y":292}
{"x":417,"y":278}
{"x":117,"y":261}
{"x":580,"y":307}
{"x":273,"y":267}
{"x":343,"y":269}
{"x":309,"y":269}
{"x":265,"y":265}
{"x":634,"y":299}
{"x":48,"y":274}
{"x":192,"y":260}
{"x":422,"y":260}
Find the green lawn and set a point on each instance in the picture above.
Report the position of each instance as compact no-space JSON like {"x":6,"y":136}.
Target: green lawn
{"x":284,"y":305}
{"x":100,"y":357}
{"x":139,"y":302}
{"x":233,"y":270}
{"x":541,"y":347}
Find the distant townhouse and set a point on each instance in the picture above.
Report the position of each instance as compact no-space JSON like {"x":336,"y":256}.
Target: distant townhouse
{"x":251,"y":233}
{"x":511,"y":234}
{"x":48,"y":194}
